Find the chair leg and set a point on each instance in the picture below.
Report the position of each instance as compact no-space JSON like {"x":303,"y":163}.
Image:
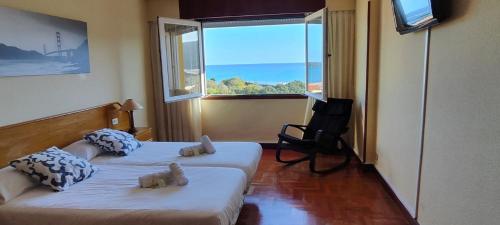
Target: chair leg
{"x":347,"y":159}
{"x":293,"y":161}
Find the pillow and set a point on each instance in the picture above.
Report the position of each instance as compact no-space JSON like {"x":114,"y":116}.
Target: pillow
{"x":13,"y":183}
{"x":83,"y":149}
{"x":114,"y":141}
{"x":55,"y":168}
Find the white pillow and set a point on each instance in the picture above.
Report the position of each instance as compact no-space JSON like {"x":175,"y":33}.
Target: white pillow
{"x":13,"y":183}
{"x":83,"y":149}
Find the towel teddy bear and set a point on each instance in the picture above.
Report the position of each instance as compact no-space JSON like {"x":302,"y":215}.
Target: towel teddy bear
{"x":162,"y":179}
{"x":206,"y":146}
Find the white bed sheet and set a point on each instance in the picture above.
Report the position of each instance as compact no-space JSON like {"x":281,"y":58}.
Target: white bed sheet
{"x":214,"y":196}
{"x":241,"y":155}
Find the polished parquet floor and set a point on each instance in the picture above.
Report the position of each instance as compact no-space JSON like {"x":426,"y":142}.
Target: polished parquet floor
{"x":291,"y":195}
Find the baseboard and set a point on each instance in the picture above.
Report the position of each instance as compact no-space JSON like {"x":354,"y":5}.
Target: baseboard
{"x":392,"y":194}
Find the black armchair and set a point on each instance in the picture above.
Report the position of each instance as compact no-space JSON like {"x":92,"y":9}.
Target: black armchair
{"x":321,"y":135}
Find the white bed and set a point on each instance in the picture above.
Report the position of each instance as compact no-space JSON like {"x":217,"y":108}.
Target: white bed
{"x":213,"y":196}
{"x":241,"y":155}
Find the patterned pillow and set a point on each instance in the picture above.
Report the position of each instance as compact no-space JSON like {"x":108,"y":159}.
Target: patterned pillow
{"x":55,"y":168}
{"x":114,"y":141}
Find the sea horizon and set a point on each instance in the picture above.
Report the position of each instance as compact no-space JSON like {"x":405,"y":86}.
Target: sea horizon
{"x":261,"y":73}
{"x":255,"y":63}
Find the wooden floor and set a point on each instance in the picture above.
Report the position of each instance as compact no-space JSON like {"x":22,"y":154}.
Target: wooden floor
{"x":293,"y":196}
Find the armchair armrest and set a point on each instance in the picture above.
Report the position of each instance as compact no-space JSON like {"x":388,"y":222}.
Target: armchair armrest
{"x":297,"y":126}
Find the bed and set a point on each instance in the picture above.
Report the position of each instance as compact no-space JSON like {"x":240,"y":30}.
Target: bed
{"x":241,"y":155}
{"x":112,"y":196}
{"x":62,"y":130}
{"x":213,"y":196}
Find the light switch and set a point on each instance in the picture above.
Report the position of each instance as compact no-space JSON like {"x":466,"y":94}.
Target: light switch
{"x":114,"y":121}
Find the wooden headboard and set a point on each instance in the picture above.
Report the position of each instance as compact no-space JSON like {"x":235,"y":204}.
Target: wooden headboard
{"x":21,"y":139}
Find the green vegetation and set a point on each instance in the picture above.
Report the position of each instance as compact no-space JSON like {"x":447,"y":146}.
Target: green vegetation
{"x":237,"y":86}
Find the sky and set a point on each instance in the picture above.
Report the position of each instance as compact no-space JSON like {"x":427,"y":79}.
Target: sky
{"x":31,"y":31}
{"x":255,"y":44}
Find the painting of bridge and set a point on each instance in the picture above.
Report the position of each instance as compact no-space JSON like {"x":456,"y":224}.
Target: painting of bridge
{"x":37,"y":44}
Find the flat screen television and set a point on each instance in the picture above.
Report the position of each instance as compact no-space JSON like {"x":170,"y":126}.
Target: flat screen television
{"x":414,"y":15}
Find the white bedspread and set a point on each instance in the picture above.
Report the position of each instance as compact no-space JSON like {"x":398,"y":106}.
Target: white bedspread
{"x":213,"y":196}
{"x":242,"y":155}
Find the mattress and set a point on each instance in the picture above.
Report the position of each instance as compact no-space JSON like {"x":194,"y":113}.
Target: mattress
{"x":241,"y":155}
{"x":112,"y":197}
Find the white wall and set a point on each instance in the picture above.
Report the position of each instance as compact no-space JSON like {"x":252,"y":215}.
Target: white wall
{"x":460,"y":182}
{"x":367,"y":55}
{"x":361,"y":50}
{"x":460,"y":177}
{"x":257,"y":120}
{"x":401,"y":66}
{"x":163,"y":8}
{"x":117,"y":57}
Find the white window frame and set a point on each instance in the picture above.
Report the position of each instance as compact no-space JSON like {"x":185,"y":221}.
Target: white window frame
{"x":166,"y":60}
{"x":168,"y":69}
{"x":324,"y":69}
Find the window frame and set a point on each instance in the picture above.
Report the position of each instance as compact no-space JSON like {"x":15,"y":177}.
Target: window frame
{"x":165,"y":59}
{"x":323,"y":14}
{"x":238,"y":21}
{"x":166,"y":69}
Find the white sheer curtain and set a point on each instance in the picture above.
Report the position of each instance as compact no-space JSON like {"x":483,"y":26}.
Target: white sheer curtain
{"x":341,"y":63}
{"x":178,"y":121}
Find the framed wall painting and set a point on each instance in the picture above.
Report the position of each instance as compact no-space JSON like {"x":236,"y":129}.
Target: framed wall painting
{"x":37,"y":44}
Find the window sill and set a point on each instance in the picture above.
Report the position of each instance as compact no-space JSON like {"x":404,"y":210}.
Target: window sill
{"x":265,"y":96}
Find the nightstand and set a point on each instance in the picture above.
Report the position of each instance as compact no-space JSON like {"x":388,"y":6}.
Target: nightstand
{"x":143,"y":134}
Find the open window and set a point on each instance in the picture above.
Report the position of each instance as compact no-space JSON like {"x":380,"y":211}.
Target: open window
{"x":317,"y":55}
{"x":183,"y":60}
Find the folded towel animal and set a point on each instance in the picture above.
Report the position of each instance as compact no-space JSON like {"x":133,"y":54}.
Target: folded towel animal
{"x":192,"y":150}
{"x":154,"y":180}
{"x":178,"y":174}
{"x":206,"y":146}
{"x":173,"y":176}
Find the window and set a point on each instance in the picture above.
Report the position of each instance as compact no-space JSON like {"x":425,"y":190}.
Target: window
{"x":255,"y":57}
{"x":181,"y":59}
{"x":260,"y":57}
{"x":316,"y":55}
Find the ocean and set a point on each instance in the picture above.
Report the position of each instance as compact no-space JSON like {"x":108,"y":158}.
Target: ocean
{"x":272,"y":73}
{"x":37,"y":67}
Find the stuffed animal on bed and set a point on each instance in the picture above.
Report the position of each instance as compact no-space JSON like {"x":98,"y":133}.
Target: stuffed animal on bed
{"x":174,"y":176}
{"x":206,"y":146}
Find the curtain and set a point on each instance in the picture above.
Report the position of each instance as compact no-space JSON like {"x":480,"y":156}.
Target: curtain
{"x":177,"y":121}
{"x":341,"y":63}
